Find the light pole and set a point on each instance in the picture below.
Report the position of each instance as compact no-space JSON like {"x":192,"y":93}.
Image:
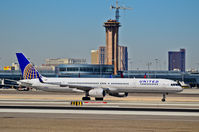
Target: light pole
{"x":131,"y":64}
{"x":148,"y":65}
{"x":156,"y":63}
{"x":197,"y":67}
{"x":156,"y":66}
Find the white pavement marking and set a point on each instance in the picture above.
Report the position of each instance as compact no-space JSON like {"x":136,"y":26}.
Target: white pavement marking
{"x":187,"y":104}
{"x":100,"y":112}
{"x":159,"y":104}
{"x":14,"y":102}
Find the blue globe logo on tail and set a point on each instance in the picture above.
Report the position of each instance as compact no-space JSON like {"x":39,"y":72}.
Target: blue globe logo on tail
{"x":27,"y":69}
{"x":30,"y":72}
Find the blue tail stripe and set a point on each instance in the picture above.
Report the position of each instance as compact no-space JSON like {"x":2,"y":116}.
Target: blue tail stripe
{"x":23,"y":62}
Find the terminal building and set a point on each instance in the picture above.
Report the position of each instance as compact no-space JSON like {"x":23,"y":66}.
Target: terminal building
{"x":107,"y":71}
{"x":84,"y":70}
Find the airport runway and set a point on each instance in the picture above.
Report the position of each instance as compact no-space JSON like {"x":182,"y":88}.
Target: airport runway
{"x":41,"y":111}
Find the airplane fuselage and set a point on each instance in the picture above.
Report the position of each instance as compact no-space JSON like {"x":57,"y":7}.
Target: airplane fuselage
{"x":134,"y":85}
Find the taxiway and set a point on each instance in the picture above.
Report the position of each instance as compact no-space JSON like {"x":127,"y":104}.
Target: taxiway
{"x":138,"y":112}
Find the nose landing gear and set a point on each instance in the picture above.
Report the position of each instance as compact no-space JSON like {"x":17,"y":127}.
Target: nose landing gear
{"x":164,"y":97}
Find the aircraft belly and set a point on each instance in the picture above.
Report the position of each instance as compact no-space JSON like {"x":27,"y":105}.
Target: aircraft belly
{"x":147,"y":90}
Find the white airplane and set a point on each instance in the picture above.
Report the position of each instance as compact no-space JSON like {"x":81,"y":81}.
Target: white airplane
{"x":94,"y":87}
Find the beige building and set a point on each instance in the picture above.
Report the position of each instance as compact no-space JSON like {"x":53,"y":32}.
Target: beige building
{"x":55,"y":62}
{"x":94,"y":56}
{"x":16,"y":66}
{"x":98,"y":56}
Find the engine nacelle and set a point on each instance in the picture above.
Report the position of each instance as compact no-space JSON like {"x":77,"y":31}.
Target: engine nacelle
{"x":97,"y":93}
{"x":125,"y":94}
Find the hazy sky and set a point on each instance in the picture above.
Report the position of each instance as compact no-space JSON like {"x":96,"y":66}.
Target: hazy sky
{"x":71,"y":28}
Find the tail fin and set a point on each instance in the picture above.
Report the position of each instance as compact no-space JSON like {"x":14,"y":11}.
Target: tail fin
{"x":27,"y":69}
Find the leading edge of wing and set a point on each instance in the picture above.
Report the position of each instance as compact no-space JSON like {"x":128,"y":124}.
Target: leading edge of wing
{"x":85,"y":88}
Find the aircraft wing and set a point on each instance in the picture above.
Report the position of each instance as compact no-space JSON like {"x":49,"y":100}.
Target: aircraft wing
{"x":85,"y":88}
{"x":80,"y":87}
{"x":26,"y":84}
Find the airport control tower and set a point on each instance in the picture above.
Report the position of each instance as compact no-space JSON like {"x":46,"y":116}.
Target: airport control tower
{"x":112,"y":38}
{"x":112,"y":30}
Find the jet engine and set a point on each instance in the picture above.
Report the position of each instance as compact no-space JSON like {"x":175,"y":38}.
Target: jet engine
{"x":124,"y":94}
{"x":97,"y":93}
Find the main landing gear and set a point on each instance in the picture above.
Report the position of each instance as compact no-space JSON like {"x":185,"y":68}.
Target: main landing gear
{"x":164,"y":97}
{"x":86,"y":96}
{"x":99,"y":99}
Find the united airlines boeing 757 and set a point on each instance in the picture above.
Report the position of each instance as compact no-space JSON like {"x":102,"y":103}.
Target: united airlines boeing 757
{"x":94,"y":87}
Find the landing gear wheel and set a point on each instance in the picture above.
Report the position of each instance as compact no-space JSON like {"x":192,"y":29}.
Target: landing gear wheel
{"x":164,"y":97}
{"x":163,"y":100}
{"x":99,"y":99}
{"x":86,"y":98}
